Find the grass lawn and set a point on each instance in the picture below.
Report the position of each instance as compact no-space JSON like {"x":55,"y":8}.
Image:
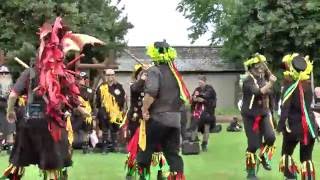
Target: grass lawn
{"x":224,"y":161}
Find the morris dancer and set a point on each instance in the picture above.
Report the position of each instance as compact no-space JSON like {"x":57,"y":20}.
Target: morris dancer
{"x":42,"y":137}
{"x":134,"y":117}
{"x":164,"y":95}
{"x":255,"y":112}
{"x":297,"y":122}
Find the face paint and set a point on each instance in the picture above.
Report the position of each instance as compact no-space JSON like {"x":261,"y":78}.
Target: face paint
{"x":258,"y":70}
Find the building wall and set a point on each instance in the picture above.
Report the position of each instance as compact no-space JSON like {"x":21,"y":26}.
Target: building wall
{"x":225,"y":85}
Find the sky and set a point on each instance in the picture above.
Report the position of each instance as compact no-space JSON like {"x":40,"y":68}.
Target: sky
{"x":155,"y":20}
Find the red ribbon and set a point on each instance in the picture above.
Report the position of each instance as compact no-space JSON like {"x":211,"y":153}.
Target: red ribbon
{"x":184,"y":87}
{"x":132,"y":147}
{"x":55,"y":81}
{"x":256,"y":124}
{"x":54,"y":130}
{"x":303,"y":116}
{"x":198,"y":109}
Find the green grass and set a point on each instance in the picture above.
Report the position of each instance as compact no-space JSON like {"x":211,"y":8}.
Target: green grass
{"x":223,"y":161}
{"x":231,"y":111}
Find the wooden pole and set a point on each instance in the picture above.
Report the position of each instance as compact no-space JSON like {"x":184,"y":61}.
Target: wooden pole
{"x":99,"y":66}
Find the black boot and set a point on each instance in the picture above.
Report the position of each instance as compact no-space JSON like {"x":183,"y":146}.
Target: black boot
{"x":204,"y":146}
{"x":105,"y":147}
{"x":85,"y":148}
{"x":216,"y":129}
{"x":144,"y":173}
{"x":105,"y":142}
{"x":266,"y":165}
{"x":308,"y":170}
{"x":288,"y":167}
{"x":160,"y":175}
{"x":64,"y":174}
{"x":114,"y":146}
{"x":8,"y":147}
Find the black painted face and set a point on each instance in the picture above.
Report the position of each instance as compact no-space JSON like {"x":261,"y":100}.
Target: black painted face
{"x":258,"y":70}
{"x":141,"y":73}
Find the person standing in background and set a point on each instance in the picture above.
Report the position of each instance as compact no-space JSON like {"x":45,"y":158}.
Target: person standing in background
{"x":83,"y":125}
{"x":6,"y":129}
{"x":111,"y":102}
{"x":203,"y":111}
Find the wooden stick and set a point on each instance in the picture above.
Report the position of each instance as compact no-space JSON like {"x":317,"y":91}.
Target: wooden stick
{"x":99,"y":66}
{"x":75,"y":60}
{"x":19,"y":61}
{"x":133,"y":56}
{"x":312,"y":90}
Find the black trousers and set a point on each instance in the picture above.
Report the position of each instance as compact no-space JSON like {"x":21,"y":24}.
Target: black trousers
{"x":107,"y":128}
{"x":289,"y":143}
{"x":35,"y":145}
{"x":166,"y":138}
{"x":184,"y":122}
{"x":265,"y":135}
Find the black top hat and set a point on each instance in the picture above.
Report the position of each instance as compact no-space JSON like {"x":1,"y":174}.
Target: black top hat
{"x":162,"y":46}
{"x":299,"y":63}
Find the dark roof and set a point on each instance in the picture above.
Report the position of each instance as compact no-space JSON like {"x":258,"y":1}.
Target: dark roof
{"x":189,"y":59}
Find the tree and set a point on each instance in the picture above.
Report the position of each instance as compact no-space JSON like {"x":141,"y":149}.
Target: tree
{"x":244,"y":27}
{"x":20,"y":20}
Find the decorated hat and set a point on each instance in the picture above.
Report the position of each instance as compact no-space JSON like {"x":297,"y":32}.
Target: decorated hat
{"x":161,"y":52}
{"x":297,"y":66}
{"x":257,"y":58}
{"x":137,"y":69}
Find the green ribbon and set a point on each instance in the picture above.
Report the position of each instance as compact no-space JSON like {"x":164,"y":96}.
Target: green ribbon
{"x":289,"y":91}
{"x":308,"y":119}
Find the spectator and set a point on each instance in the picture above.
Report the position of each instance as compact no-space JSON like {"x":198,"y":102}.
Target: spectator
{"x":6,"y":129}
{"x":203,"y":110}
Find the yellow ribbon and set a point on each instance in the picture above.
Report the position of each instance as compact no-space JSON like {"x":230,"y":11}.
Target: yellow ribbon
{"x":87,"y":107}
{"x":21,"y":101}
{"x":250,"y":158}
{"x":110,"y":105}
{"x":142,"y":135}
{"x":69,"y":130}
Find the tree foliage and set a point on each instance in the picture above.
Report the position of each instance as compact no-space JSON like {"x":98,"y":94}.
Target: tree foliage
{"x":244,"y":27}
{"x":20,"y":20}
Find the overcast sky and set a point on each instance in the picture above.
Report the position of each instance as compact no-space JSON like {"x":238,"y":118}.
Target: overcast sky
{"x":156,"y":20}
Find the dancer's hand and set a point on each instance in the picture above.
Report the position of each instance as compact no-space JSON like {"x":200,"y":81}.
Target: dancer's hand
{"x":143,"y":76}
{"x":145,"y":115}
{"x":273,"y":78}
{"x":11,"y":117}
{"x":199,"y":99}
